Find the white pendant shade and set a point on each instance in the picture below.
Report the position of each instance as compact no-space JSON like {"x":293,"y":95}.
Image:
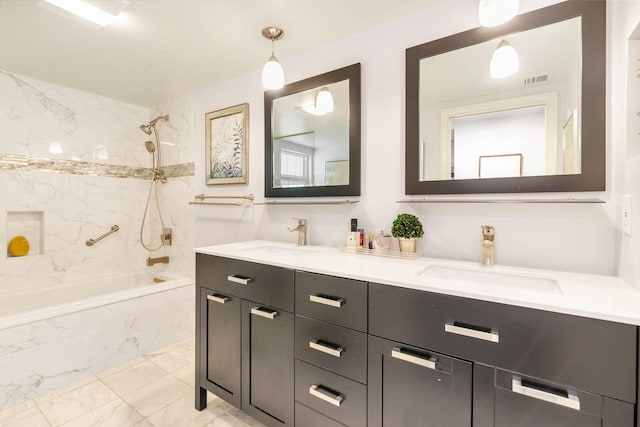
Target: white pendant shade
{"x":496,"y":12}
{"x":272,"y":74}
{"x":505,"y":61}
{"x":324,"y":101}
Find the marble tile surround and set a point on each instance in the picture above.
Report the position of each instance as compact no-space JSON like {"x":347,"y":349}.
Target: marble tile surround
{"x":62,"y":150}
{"x":41,"y":357}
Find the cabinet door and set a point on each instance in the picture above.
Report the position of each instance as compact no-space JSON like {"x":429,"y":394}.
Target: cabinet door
{"x":411,"y":387}
{"x":220,"y":350}
{"x":267,"y":377}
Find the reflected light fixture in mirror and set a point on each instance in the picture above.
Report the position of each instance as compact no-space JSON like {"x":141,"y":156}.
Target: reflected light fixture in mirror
{"x":504,"y":61}
{"x":496,"y":12}
{"x":272,"y":73}
{"x":323,"y":103}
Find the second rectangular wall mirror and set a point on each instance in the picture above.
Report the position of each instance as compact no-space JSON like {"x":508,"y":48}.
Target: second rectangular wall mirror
{"x":471,"y":130}
{"x":312,"y":136}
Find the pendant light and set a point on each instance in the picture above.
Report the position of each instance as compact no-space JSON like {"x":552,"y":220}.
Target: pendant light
{"x":272,"y":73}
{"x":505,"y":61}
{"x":496,"y":12}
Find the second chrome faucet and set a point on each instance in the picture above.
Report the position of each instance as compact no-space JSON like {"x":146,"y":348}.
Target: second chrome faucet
{"x":302,"y":231}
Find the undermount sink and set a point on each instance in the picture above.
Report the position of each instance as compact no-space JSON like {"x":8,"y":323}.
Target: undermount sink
{"x":273,"y":250}
{"x":491,"y":277}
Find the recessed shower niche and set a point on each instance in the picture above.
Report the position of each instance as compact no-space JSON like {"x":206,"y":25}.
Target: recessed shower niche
{"x":24,"y":233}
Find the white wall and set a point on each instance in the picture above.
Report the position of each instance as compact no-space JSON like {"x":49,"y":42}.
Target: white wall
{"x":573,"y":237}
{"x":625,"y":125}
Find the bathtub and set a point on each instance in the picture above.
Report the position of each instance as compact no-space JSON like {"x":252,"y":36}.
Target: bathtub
{"x":52,"y":337}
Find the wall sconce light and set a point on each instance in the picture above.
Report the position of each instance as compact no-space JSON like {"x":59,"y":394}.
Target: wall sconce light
{"x":323,"y":104}
{"x":272,"y":73}
{"x":496,"y":12}
{"x":504,"y":61}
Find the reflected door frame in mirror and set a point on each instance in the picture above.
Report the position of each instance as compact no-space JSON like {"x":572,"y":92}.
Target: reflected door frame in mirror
{"x":593,"y":146}
{"x":350,"y":73}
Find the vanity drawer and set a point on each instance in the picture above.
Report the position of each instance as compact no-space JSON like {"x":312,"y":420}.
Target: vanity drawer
{"x":341,"y":350}
{"x":588,"y":354}
{"x":335,"y":396}
{"x":332,"y":299}
{"x":260,"y":283}
{"x":306,"y":417}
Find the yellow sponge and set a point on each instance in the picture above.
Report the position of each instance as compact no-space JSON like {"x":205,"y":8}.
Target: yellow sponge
{"x":19,"y":246}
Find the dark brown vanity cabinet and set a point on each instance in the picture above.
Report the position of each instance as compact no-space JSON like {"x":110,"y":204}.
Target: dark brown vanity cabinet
{"x":330,"y":350}
{"x":530,"y":367}
{"x":244,"y":345}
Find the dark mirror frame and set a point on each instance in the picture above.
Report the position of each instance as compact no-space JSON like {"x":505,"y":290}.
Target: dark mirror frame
{"x":352,"y":73}
{"x":593,"y":162}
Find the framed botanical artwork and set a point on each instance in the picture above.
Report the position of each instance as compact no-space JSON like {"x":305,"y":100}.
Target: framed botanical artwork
{"x":227,"y":145}
{"x":500,"y":166}
{"x":336,"y":172}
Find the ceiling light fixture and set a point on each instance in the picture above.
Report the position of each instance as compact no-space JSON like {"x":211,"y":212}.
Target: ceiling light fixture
{"x":272,"y":73}
{"x":496,"y":12}
{"x":101,"y":13}
{"x":505,"y":61}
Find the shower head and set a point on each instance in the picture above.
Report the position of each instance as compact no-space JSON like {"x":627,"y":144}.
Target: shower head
{"x":146,"y":129}
{"x":150,"y":146}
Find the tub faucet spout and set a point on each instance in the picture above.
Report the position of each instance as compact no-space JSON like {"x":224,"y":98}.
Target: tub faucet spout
{"x":158,"y":260}
{"x":302,"y":231}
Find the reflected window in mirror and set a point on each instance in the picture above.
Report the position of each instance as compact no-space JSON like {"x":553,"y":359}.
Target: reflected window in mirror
{"x":312,"y":139}
{"x":538,"y":129}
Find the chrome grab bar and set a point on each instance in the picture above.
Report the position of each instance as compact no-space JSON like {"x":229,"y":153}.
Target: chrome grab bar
{"x":92,"y":242}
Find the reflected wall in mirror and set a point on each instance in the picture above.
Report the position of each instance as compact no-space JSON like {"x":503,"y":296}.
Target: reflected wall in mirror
{"x":539,"y":129}
{"x":312,"y":136}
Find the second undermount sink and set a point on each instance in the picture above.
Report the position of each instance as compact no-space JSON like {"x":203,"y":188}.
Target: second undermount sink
{"x":491,"y":277}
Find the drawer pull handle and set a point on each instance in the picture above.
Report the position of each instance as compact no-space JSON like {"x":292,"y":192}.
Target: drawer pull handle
{"x":430,"y":363}
{"x":570,"y":401}
{"x":265,"y":312}
{"x":327,"y":300}
{"x":237,"y":278}
{"x":472,"y":331}
{"x":325,"y":347}
{"x":325,"y":394}
{"x":220,"y":299}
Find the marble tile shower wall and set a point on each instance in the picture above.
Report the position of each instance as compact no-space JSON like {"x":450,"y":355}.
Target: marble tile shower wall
{"x":80,"y":159}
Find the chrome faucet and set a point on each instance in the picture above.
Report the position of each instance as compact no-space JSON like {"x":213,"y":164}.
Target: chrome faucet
{"x":488,"y":246}
{"x":302,"y":231}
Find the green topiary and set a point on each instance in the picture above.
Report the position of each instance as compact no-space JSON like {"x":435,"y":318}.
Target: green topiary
{"x":407,"y":226}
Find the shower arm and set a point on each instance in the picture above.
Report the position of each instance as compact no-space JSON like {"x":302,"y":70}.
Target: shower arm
{"x":91,"y":242}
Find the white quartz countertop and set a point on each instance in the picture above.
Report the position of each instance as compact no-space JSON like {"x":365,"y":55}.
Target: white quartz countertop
{"x":588,"y":295}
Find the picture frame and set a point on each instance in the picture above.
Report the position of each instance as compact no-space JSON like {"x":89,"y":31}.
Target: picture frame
{"x":500,"y":166}
{"x":336,"y":172}
{"x":227,"y":145}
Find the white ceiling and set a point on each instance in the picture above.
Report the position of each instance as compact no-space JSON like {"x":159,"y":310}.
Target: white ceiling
{"x":161,"y":49}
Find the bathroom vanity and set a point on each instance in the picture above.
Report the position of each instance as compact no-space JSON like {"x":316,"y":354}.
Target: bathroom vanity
{"x":309,"y":336}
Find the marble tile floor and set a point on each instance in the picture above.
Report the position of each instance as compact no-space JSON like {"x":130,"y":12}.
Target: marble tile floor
{"x":153,"y":390}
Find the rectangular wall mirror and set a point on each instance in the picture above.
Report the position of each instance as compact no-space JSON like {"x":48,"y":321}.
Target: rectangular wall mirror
{"x":542,"y":128}
{"x":312,"y":136}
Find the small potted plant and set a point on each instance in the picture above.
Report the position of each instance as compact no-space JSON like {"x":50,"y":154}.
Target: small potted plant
{"x":407,"y":228}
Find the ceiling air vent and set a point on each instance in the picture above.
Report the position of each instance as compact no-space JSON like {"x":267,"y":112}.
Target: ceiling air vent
{"x":536,"y":80}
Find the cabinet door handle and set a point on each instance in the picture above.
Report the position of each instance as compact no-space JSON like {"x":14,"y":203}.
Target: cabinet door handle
{"x":264,"y":312}
{"x":327,"y":300}
{"x":325,"y":394}
{"x":238,"y":278}
{"x":480,"y":333}
{"x":571,"y":400}
{"x":333,"y":350}
{"x":220,"y":299}
{"x":430,"y":363}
